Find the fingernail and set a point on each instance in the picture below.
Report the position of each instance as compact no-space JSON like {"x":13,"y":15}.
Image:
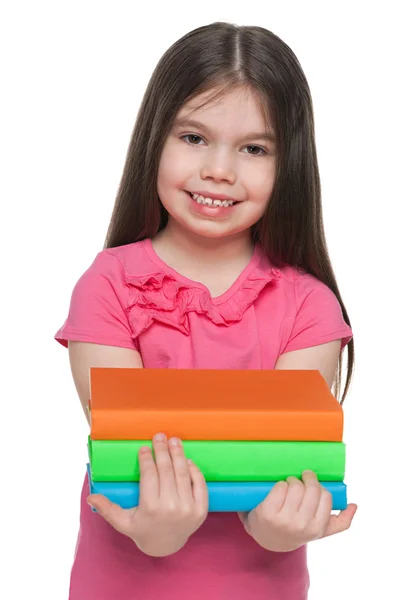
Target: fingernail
{"x":160,"y":437}
{"x":174,"y":441}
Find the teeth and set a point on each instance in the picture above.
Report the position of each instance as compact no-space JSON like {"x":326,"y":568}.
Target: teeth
{"x":209,"y":202}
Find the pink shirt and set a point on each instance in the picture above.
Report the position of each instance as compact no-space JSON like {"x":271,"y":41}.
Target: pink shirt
{"x":130,"y":298}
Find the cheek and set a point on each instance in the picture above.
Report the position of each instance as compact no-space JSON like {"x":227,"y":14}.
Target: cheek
{"x":262,"y":183}
{"x":174,"y":168}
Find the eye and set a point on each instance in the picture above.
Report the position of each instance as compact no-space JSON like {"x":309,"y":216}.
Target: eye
{"x":193,"y":141}
{"x":191,"y":135}
{"x":256,"y":148}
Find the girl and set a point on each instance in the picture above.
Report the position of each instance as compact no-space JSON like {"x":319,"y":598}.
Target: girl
{"x":216,"y":229}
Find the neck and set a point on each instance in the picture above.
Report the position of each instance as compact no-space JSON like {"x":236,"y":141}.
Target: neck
{"x":203,"y":250}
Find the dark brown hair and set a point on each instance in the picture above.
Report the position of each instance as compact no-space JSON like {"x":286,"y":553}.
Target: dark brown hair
{"x":222,"y":57}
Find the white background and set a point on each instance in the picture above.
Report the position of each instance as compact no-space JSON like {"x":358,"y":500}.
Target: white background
{"x":73,"y":74}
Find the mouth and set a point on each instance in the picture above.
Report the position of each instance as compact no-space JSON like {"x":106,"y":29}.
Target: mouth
{"x":212,"y":203}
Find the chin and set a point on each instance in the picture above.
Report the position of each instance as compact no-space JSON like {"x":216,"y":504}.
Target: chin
{"x":214,"y":232}
{"x":208,"y":228}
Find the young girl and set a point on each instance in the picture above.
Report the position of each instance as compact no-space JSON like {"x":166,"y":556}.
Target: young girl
{"x":215,"y":258}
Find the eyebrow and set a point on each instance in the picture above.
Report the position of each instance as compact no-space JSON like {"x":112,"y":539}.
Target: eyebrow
{"x":182,"y":122}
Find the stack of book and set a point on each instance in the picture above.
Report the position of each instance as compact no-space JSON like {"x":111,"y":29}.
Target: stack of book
{"x":245,"y":430}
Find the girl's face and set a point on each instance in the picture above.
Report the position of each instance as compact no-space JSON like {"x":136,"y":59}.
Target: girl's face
{"x":223,"y":149}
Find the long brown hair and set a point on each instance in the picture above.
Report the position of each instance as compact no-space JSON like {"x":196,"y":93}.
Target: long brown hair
{"x":222,"y":57}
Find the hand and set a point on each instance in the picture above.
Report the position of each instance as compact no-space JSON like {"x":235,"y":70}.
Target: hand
{"x":294,"y":513}
{"x":173,"y":500}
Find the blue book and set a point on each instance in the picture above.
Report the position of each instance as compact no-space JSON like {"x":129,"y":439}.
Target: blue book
{"x":224,"y":496}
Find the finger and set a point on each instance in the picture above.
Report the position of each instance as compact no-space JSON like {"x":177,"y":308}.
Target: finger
{"x":149,"y":486}
{"x":323,"y":513}
{"x":275,"y":499}
{"x":118,"y":517}
{"x":272,"y":504}
{"x":199,"y":486}
{"x":294,"y":496}
{"x":342,"y":521}
{"x":181,"y":469}
{"x":312,"y":496}
{"x":164,"y":465}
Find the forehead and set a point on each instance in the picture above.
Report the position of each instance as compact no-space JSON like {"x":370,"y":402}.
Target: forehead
{"x":241,"y":108}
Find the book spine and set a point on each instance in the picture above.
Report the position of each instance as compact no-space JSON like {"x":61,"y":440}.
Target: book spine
{"x":113,"y":460}
{"x":217,"y":425}
{"x":223,"y":496}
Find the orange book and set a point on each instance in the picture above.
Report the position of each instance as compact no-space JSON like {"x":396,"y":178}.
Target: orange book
{"x":198,"y":404}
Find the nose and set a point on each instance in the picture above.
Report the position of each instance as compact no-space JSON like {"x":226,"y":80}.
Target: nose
{"x":219,"y":167}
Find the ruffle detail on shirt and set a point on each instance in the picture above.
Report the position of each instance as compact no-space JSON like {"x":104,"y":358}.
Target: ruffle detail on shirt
{"x":160,"y":297}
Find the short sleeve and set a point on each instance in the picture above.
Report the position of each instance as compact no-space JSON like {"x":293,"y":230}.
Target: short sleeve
{"x":97,"y":311}
{"x":318,"y":317}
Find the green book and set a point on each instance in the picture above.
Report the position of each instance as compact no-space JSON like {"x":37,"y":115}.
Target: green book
{"x":117,"y":460}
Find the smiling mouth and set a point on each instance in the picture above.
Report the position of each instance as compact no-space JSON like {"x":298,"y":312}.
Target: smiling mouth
{"x":210,"y":202}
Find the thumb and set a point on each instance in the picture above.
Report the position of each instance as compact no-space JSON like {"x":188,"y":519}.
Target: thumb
{"x":117,"y":517}
{"x":342,"y":521}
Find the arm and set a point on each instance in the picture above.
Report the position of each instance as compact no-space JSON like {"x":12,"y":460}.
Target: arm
{"x":296,"y":512}
{"x":173,"y":494}
{"x":83,"y":355}
{"x":324,"y":358}
{"x":97,"y":331}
